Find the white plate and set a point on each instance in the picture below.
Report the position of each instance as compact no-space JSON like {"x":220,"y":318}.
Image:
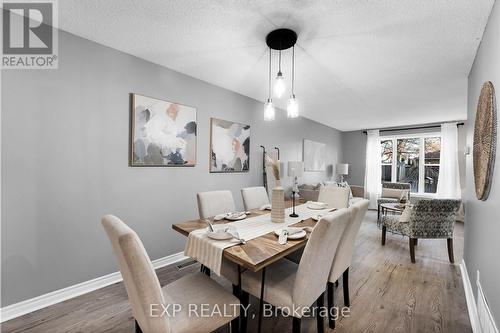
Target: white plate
{"x":297,"y":235}
{"x":219,"y":235}
{"x":236,"y":218}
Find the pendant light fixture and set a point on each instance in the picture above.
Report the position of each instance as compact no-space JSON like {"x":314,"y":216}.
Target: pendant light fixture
{"x":281,"y":39}
{"x":292,"y":108}
{"x":279,"y":82}
{"x":269,"y":112}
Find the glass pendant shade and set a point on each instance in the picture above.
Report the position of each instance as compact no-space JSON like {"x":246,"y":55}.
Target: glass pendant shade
{"x":292,"y":108}
{"x":269,"y":112}
{"x":279,"y":85}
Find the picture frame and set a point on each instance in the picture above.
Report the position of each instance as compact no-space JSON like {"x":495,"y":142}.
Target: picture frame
{"x":162,"y":133}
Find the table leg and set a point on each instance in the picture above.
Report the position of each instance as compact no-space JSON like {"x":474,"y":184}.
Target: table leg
{"x":261,"y":304}
{"x":236,"y":324}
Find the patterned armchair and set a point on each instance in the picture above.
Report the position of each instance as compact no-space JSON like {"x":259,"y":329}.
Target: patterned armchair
{"x":394,"y":186}
{"x":428,"y":219}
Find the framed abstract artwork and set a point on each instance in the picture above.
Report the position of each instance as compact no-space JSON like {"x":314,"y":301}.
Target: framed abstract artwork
{"x":163,"y":134}
{"x":229,"y":146}
{"x":314,"y":156}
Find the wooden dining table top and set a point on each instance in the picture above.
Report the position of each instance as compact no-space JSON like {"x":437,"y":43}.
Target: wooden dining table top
{"x":259,"y":252}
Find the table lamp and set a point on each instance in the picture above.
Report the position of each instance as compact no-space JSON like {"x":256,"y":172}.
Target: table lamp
{"x":295,"y":170}
{"x":342,"y":169}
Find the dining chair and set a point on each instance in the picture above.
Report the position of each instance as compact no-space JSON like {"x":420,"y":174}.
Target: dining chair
{"x":254,"y":197}
{"x":334,"y":196}
{"x":148,"y":299}
{"x":343,"y":257}
{"x":287,"y":285}
{"x":210,"y":204}
{"x":214,"y":203}
{"x":433,"y":219}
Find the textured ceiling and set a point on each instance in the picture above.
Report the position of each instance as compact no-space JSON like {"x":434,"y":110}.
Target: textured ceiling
{"x":359,"y":64}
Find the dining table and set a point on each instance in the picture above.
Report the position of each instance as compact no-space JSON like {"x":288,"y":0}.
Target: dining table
{"x":255,"y":254}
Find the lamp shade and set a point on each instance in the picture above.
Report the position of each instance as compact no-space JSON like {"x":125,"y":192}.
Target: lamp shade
{"x":342,"y":168}
{"x":295,"y":168}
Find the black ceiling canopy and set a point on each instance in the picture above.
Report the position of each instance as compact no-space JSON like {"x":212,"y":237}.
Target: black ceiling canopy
{"x":281,"y":39}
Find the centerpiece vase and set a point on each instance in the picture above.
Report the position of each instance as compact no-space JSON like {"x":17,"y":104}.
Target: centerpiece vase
{"x":278,"y":204}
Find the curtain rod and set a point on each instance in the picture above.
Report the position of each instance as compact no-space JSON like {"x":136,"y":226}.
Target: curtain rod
{"x":411,"y":128}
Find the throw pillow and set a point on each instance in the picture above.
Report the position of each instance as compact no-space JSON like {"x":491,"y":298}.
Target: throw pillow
{"x":392,"y":193}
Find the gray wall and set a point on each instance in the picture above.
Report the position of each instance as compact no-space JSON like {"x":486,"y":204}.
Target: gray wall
{"x":482,"y":230}
{"x":354,"y":153}
{"x":65,"y":163}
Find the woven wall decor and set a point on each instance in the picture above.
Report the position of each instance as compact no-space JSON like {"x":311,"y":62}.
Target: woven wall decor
{"x":485,"y":140}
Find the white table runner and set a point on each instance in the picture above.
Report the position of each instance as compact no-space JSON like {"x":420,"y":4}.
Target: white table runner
{"x":209,"y":252}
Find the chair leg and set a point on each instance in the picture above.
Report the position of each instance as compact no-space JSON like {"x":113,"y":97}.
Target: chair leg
{"x":450,"y":250}
{"x":416,"y":241}
{"x":204,"y":269}
{"x":137,"y":327}
{"x":337,"y":284}
{"x":331,"y":304}
{"x":345,"y":285}
{"x":378,"y":213}
{"x":296,"y":325}
{"x":320,"y":303}
{"x":245,"y":297}
{"x":412,"y":249}
{"x":384,"y":231}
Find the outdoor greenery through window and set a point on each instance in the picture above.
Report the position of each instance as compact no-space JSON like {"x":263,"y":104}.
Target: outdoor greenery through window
{"x":413,"y":160}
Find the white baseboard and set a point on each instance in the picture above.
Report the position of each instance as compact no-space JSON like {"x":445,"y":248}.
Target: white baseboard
{"x":18,"y":309}
{"x":471,"y":301}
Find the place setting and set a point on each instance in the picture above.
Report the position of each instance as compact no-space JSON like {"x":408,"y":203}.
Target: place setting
{"x":223,"y":232}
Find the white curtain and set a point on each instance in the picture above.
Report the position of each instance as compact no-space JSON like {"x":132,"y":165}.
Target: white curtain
{"x":373,"y":171}
{"x":449,"y":175}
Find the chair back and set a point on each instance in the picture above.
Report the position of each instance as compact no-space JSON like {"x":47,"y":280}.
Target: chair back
{"x":254,"y":197}
{"x":433,"y":218}
{"x":139,"y":277}
{"x":316,"y":261}
{"x":334,"y":196}
{"x":214,"y":203}
{"x":343,"y":256}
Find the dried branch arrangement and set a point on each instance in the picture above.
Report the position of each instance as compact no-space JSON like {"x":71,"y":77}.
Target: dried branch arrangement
{"x":274,"y":165}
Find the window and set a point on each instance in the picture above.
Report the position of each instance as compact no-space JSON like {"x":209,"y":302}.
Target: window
{"x":402,"y":159}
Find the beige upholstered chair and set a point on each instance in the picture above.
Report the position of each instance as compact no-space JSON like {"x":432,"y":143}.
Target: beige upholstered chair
{"x":286,"y":284}
{"x":334,"y":196}
{"x":145,"y":293}
{"x":214,"y":203}
{"x":254,"y":197}
{"x":343,"y":256}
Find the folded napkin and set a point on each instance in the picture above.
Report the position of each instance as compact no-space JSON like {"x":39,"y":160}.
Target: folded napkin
{"x":220,"y":217}
{"x":234,"y":215}
{"x":293,"y":231}
{"x":317,"y":205}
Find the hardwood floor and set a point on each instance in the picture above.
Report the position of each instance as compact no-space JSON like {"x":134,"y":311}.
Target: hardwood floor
{"x":388,"y":294}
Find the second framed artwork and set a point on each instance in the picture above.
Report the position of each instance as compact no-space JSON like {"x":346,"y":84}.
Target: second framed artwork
{"x":229,"y":146}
